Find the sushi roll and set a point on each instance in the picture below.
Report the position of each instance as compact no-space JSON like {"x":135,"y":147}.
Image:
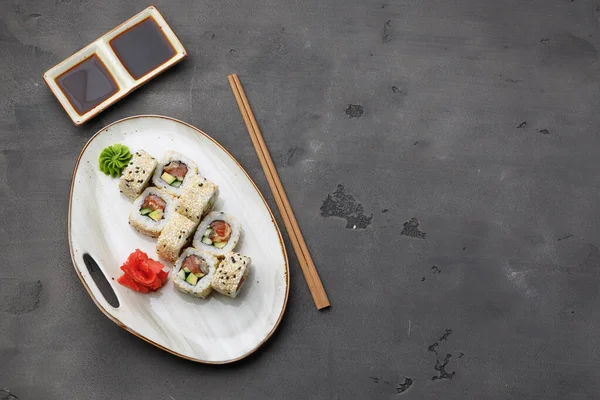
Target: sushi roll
{"x":194,"y":271}
{"x":137,"y":174}
{"x":197,"y":198}
{"x":151,"y":210}
{"x":218,"y":234}
{"x":231,"y":274}
{"x":174,"y":236}
{"x":173,"y":173}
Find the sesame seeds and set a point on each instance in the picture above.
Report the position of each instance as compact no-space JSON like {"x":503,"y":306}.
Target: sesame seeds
{"x":174,"y":236}
{"x":232,"y":270}
{"x":141,"y":161}
{"x":195,"y":199}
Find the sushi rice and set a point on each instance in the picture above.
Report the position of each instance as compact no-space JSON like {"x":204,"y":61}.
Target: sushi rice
{"x":192,"y":170}
{"x":146,"y":224}
{"x":201,"y":242}
{"x":202,"y":288}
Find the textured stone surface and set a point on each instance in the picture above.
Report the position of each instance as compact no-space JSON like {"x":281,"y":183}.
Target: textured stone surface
{"x":476,"y":119}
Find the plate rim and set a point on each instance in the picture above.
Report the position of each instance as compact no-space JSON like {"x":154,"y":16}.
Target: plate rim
{"x":131,"y":330}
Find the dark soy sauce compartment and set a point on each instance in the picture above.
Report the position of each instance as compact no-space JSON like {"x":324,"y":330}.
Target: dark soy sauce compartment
{"x":87,"y":84}
{"x":142,"y":48}
{"x":101,"y":281}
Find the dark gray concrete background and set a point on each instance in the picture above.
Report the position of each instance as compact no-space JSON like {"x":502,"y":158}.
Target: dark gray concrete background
{"x":464,"y":134}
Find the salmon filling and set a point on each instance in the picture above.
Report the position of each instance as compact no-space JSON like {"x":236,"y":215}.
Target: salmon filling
{"x":240,"y":283}
{"x":217,"y":234}
{"x":174,"y":173}
{"x":193,"y":268}
{"x":153,"y":207}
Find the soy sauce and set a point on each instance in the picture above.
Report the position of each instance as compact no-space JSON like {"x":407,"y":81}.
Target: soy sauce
{"x":87,"y":84}
{"x":142,"y":48}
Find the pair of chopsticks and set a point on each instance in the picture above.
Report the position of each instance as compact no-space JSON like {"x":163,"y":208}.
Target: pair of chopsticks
{"x":304,"y":258}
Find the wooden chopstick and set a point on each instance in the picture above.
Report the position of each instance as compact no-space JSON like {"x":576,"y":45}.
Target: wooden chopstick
{"x":304,"y":258}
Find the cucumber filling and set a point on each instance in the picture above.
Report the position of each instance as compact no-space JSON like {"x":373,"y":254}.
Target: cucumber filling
{"x":191,"y":279}
{"x":153,"y":207}
{"x":156,"y":215}
{"x":217,"y":234}
{"x":193,"y":269}
{"x":174,"y":173}
{"x":168,"y":178}
{"x":145,"y":211}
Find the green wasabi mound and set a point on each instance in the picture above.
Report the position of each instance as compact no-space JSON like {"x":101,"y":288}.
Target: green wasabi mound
{"x":114,"y":159}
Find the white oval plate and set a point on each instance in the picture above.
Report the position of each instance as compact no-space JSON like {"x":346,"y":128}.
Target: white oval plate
{"x":218,"y":330}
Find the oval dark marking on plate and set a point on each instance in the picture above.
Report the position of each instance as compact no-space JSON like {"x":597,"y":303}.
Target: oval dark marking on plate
{"x":101,"y":281}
